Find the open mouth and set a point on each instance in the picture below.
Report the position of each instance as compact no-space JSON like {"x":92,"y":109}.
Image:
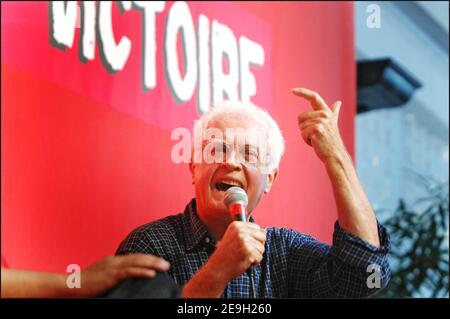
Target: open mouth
{"x":224,"y":185}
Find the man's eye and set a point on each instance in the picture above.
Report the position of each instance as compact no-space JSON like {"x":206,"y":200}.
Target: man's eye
{"x":251,"y":156}
{"x":220,"y":149}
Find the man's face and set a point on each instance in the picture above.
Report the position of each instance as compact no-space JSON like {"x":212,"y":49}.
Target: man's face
{"x":212,"y":180}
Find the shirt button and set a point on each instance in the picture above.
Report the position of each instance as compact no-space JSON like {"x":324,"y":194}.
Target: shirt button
{"x":207,"y":240}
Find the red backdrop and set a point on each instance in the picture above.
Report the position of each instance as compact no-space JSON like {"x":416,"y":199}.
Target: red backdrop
{"x":86,"y":153}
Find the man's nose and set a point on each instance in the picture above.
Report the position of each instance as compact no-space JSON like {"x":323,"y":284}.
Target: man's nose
{"x":232,"y":161}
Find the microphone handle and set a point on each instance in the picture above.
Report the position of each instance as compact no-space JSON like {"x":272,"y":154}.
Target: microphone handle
{"x":252,"y":283}
{"x":239,"y":213}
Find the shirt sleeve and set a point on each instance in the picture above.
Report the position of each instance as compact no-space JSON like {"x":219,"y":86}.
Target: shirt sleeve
{"x":350,"y":268}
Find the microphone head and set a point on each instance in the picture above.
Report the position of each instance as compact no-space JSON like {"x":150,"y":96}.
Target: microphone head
{"x":235,"y":195}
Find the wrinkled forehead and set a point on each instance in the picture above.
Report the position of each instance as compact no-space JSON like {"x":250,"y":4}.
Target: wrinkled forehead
{"x":234,"y":126}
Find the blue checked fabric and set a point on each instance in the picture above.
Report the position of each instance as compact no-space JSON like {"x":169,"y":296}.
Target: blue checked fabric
{"x":295,"y":265}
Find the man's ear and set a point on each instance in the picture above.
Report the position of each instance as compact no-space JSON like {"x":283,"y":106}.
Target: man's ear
{"x":271,"y":177}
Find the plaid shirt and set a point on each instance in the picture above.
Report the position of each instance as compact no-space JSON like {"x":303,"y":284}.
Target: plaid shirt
{"x":294,"y":265}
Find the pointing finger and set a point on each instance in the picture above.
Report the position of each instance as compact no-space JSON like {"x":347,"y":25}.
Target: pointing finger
{"x":314,"y":98}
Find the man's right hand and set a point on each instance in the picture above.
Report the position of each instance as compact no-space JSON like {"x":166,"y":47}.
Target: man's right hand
{"x":241,"y":247}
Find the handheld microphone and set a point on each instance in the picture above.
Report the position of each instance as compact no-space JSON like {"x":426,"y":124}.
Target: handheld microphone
{"x":236,"y":201}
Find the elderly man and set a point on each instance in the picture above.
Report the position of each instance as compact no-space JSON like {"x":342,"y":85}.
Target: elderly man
{"x":210,"y":254}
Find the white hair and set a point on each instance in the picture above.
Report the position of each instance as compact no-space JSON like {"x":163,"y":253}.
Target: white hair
{"x":275,"y":141}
